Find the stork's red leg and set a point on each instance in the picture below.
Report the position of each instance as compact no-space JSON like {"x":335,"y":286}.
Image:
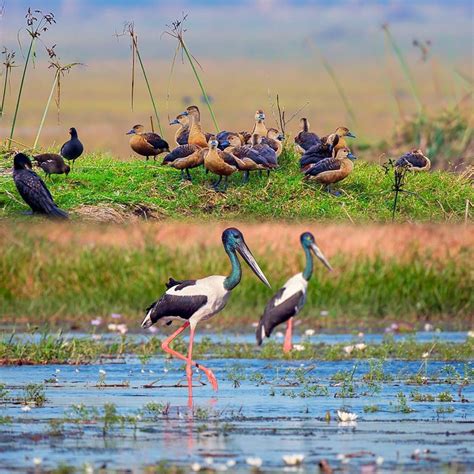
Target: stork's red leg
{"x":287,"y":345}
{"x":165,"y":346}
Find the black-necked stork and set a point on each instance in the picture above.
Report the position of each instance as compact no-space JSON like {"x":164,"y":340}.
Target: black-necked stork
{"x":290,"y":299}
{"x":193,"y":301}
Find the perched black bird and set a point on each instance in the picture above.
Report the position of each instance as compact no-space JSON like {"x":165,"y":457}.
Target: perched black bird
{"x":73,"y":148}
{"x":51,"y":163}
{"x":33,"y":190}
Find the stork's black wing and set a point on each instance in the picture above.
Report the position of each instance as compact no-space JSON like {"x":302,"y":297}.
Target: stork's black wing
{"x":35,"y":193}
{"x":278,"y":314}
{"x":183,"y":306}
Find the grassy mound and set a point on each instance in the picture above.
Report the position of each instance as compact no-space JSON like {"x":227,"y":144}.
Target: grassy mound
{"x":104,"y":188}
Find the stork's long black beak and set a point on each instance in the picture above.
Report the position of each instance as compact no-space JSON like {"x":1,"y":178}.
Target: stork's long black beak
{"x":251,"y":262}
{"x":321,"y":256}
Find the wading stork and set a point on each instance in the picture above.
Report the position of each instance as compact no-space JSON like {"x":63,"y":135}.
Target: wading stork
{"x":192,"y":301}
{"x":290,"y":299}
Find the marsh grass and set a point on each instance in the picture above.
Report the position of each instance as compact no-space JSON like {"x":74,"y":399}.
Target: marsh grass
{"x":83,"y":350}
{"x":9,"y":63}
{"x":99,"y":182}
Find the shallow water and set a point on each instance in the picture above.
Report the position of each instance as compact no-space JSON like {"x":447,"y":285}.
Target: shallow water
{"x":259,"y":411}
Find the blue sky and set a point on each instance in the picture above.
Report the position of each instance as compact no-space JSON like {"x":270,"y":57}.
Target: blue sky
{"x":262,"y":29}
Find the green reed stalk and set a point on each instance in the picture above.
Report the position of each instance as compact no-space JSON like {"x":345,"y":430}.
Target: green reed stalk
{"x":2,"y":107}
{"x":147,"y":84}
{"x":20,"y":91}
{"x":204,"y":93}
{"x":340,"y":90}
{"x":405,"y":69}
{"x":48,"y":103}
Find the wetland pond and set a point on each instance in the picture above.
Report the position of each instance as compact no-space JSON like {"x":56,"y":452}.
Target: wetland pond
{"x":129,"y":413}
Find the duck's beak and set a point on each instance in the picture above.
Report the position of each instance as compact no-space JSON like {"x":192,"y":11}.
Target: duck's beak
{"x":174,"y":122}
{"x":251,"y":262}
{"x":350,"y":135}
{"x":321,"y":256}
{"x":281,"y":137}
{"x":351,"y":156}
{"x":184,"y":113}
{"x":130,"y":132}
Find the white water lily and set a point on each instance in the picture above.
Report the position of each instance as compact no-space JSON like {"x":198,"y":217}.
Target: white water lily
{"x":425,"y":355}
{"x":428,"y":327}
{"x":102,"y":372}
{"x":195,"y":467}
{"x":298,"y":347}
{"x":293,"y":459}
{"x":96,"y":321}
{"x":26,"y":408}
{"x":37,"y":461}
{"x":470,"y":333}
{"x":346,"y":416}
{"x":361,"y":334}
{"x":122,"y":328}
{"x":379,"y":460}
{"x":88,"y":469}
{"x":310,"y":332}
{"x":361,"y":346}
{"x":254,"y":462}
{"x":348,"y":349}
{"x":112,"y":327}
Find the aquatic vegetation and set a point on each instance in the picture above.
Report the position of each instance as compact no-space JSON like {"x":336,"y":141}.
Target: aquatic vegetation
{"x":34,"y":394}
{"x":402,"y":404}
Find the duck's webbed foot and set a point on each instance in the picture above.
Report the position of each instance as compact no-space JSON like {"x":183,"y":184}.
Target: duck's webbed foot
{"x":331,"y":191}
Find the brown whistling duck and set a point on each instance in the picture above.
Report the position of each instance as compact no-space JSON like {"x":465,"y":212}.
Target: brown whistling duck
{"x":146,"y":143}
{"x":323,"y":150}
{"x":219,"y":162}
{"x":248,"y":159}
{"x":332,"y":170}
{"x":51,"y":163}
{"x":266,"y":153}
{"x":305,"y":139}
{"x":274,"y":140}
{"x":259,"y":126}
{"x":414,"y":161}
{"x":184,"y":158}
{"x":182,"y":134}
{"x":196,"y":135}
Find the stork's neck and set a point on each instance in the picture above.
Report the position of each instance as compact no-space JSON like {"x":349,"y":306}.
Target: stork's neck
{"x":235,"y":275}
{"x":308,"y":269}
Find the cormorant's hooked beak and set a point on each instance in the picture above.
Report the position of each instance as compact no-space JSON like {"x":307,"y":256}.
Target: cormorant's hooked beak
{"x":251,"y":262}
{"x":174,"y":122}
{"x":130,"y":132}
{"x":350,"y":135}
{"x":320,"y":255}
{"x":351,"y":156}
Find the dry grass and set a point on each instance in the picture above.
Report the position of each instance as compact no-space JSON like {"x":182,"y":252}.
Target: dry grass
{"x":377,"y":240}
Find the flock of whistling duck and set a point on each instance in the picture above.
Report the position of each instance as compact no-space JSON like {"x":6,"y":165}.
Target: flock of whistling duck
{"x":325,"y":160}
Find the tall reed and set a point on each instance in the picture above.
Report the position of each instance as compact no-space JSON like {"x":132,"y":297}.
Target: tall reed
{"x":405,"y":68}
{"x":37,"y":23}
{"x":129,"y":29}
{"x":177,"y":31}
{"x":60,"y":71}
{"x":9,"y":63}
